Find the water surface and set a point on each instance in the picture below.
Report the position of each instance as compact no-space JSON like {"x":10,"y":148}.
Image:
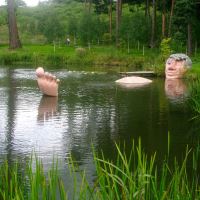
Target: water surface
{"x":90,"y":108}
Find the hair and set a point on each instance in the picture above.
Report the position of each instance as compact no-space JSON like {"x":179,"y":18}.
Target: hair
{"x":181,"y":57}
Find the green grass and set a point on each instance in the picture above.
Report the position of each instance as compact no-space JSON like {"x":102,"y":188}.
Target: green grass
{"x":63,"y":55}
{"x":136,"y":176}
{"x":107,"y":56}
{"x":194,"y":98}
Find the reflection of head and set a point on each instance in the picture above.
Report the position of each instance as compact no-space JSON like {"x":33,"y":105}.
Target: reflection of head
{"x":47,"y":108}
{"x":177,"y":65}
{"x":175,"y":88}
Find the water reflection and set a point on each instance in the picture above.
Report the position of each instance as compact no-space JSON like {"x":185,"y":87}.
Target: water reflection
{"x":47,"y":108}
{"x":90,"y":108}
{"x":175,"y":88}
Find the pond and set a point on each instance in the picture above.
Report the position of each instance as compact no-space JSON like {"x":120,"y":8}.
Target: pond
{"x":90,"y":110}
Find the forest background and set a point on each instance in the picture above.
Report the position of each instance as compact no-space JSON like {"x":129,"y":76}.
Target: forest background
{"x":160,"y":27}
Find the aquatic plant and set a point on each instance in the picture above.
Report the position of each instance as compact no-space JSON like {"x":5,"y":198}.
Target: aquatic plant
{"x":194,"y":99}
{"x":137,"y":176}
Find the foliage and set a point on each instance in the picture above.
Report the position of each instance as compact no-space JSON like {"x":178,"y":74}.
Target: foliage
{"x":165,"y":48}
{"x":81,"y":52}
{"x":194,"y":99}
{"x":100,"y":6}
{"x":138,"y":28}
{"x":107,"y":39}
{"x":183,"y":14}
{"x":58,"y":19}
{"x":133,"y":176}
{"x":90,"y":28}
{"x":60,"y":55}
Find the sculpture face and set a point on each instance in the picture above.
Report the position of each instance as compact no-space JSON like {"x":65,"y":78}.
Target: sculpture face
{"x":175,"y":68}
{"x":176,"y":65}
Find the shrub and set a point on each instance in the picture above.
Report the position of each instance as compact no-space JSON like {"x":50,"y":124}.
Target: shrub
{"x":81,"y":52}
{"x":165,"y":48}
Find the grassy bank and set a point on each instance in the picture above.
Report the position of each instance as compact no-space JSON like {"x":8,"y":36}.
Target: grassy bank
{"x":91,"y":55}
{"x":131,"y":177}
{"x":61,"y":56}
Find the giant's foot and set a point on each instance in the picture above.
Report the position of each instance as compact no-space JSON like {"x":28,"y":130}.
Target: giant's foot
{"x":47,"y":83}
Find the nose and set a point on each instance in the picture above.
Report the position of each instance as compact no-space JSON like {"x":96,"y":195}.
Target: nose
{"x":171,"y":64}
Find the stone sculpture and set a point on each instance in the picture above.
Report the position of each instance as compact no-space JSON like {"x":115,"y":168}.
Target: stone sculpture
{"x":47,"y":83}
{"x":177,"y":65}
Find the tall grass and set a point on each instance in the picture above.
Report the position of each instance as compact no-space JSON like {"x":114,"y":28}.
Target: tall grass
{"x":66,"y":55}
{"x":194,"y":99}
{"x":139,"y":177}
{"x":136,"y":176}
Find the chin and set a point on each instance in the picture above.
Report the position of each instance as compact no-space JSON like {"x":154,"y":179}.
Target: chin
{"x":169,"y":76}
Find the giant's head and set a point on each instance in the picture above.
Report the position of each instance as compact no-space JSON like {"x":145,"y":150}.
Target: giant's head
{"x":177,"y":65}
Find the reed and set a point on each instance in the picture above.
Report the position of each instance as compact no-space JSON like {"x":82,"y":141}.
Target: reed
{"x":133,"y":176}
{"x":194,"y":98}
{"x":139,"y":177}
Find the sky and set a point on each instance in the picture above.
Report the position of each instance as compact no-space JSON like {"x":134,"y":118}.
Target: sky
{"x":28,"y":2}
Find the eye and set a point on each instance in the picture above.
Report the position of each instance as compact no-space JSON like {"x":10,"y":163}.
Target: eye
{"x":168,"y":62}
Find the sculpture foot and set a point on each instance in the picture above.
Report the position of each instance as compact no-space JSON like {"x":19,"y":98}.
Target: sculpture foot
{"x":47,"y":83}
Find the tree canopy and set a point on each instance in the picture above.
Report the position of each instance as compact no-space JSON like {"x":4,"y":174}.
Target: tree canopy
{"x":90,"y":21}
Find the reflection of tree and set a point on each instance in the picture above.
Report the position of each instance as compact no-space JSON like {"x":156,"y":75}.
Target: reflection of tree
{"x":142,"y":108}
{"x":11,"y":105}
{"x":89,"y":115}
{"x":11,"y":112}
{"x":11,"y":155}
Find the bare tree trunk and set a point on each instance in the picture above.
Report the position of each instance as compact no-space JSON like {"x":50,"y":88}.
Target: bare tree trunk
{"x":170,"y":19}
{"x":164,"y":19}
{"x":153,"y":25}
{"x":90,"y":5}
{"x":118,"y":20}
{"x":147,"y":9}
{"x":110,"y":19}
{"x":14,"y":41}
{"x":189,"y":42}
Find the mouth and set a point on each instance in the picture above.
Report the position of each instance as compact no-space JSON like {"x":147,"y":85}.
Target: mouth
{"x":170,"y":72}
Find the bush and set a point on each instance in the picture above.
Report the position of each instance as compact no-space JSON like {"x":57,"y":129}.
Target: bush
{"x":81,"y":52}
{"x":165,"y":48}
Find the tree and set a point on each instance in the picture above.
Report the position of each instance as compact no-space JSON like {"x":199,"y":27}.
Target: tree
{"x":118,"y":19}
{"x":170,"y":19}
{"x":163,"y":18}
{"x":153,"y":25}
{"x":14,"y":41}
{"x":147,"y":9}
{"x":183,"y":18}
{"x":50,"y":26}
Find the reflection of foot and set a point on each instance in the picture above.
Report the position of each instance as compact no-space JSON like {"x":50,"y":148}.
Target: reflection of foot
{"x":47,"y":83}
{"x":47,"y":108}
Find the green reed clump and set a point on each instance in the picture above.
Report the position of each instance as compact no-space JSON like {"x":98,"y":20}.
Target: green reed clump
{"x":139,"y":177}
{"x":136,"y":176}
{"x":31,"y":184}
{"x":194,"y":99}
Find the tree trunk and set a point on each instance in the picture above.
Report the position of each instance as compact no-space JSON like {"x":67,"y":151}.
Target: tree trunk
{"x":118,"y":20}
{"x":164,"y":19}
{"x":189,"y":42}
{"x":110,"y":19}
{"x":90,"y":5}
{"x":153,"y":25}
{"x":14,"y":41}
{"x":147,"y":10}
{"x":171,"y":15}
